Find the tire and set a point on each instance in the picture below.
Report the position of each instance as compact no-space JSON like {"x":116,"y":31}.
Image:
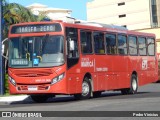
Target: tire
{"x":97,"y":94}
{"x":133,"y":86}
{"x":86,"y":90}
{"x":39,"y":98}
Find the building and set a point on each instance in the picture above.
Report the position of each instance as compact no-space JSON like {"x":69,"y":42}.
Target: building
{"x":52,"y":13}
{"x":133,"y":14}
{"x":158,"y":11}
{"x":138,"y":15}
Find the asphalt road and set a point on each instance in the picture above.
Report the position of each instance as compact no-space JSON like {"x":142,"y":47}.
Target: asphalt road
{"x":147,"y":99}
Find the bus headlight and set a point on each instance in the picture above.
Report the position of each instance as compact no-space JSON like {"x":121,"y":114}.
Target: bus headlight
{"x":58,"y":78}
{"x":12,"y":81}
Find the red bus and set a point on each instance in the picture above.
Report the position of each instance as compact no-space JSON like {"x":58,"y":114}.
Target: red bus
{"x":80,"y":59}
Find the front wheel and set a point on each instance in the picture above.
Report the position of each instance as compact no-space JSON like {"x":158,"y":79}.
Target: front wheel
{"x":133,"y":87}
{"x":86,"y":90}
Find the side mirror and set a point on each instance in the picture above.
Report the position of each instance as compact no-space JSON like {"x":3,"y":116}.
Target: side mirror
{"x":71,"y":45}
{"x":5,"y":48}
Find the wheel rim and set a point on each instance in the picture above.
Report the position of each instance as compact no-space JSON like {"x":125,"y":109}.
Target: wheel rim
{"x":85,"y":89}
{"x":134,"y":84}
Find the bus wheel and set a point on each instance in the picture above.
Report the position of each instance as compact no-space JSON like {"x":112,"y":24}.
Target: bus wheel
{"x":86,"y":90}
{"x":39,"y":98}
{"x":97,"y":94}
{"x":133,"y":87}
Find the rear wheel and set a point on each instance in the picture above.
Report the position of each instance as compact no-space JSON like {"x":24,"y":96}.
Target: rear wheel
{"x":86,"y":90}
{"x":133,"y":87}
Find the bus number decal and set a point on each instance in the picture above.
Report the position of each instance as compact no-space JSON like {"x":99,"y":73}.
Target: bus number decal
{"x":86,"y":62}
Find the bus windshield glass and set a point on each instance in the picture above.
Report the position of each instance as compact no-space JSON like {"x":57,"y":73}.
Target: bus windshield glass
{"x":40,"y":51}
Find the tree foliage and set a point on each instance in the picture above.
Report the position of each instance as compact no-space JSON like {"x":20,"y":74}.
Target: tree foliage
{"x":15,"y":13}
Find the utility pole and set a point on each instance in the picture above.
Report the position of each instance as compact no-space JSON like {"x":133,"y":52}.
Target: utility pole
{"x":1,"y":59}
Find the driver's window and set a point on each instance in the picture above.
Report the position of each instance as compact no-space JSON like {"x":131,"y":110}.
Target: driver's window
{"x":72,"y":42}
{"x":72,"y":46}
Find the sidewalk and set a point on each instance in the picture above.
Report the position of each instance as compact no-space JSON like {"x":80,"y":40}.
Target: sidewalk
{"x":13,"y":98}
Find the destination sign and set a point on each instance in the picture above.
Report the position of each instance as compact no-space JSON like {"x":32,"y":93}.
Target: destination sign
{"x":36,"y":28}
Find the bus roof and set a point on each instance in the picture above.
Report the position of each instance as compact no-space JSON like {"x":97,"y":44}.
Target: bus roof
{"x":91,"y":26}
{"x":107,"y":27}
{"x":102,"y":25}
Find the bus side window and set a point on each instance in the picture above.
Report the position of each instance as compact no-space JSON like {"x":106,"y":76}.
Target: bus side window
{"x":132,"y":40}
{"x":111,"y":43}
{"x":99,"y":43}
{"x":122,"y":45}
{"x":86,"y":42}
{"x":151,"y":46}
{"x":142,"y":46}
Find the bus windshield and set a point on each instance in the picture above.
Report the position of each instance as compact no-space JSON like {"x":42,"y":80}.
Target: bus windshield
{"x":40,"y":51}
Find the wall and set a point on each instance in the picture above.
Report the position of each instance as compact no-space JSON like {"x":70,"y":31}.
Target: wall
{"x":107,"y":11}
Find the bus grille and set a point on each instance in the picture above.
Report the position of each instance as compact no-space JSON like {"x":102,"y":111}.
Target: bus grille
{"x":33,"y":73}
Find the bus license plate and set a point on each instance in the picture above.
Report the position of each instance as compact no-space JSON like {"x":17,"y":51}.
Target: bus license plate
{"x":32,"y":88}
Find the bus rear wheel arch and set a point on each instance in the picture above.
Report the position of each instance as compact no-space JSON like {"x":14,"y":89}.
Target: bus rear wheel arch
{"x":133,"y":86}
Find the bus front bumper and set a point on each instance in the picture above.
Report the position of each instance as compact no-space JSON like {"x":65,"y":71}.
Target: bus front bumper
{"x":58,"y":88}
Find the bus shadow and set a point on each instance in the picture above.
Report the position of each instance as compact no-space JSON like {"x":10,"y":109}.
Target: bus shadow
{"x":104,"y":96}
{"x":120,"y":96}
{"x":58,"y":99}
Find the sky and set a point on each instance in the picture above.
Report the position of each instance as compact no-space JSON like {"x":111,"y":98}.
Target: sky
{"x":78,"y":7}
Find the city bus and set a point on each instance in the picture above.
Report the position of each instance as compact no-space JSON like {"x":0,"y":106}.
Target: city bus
{"x":77,"y":58}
